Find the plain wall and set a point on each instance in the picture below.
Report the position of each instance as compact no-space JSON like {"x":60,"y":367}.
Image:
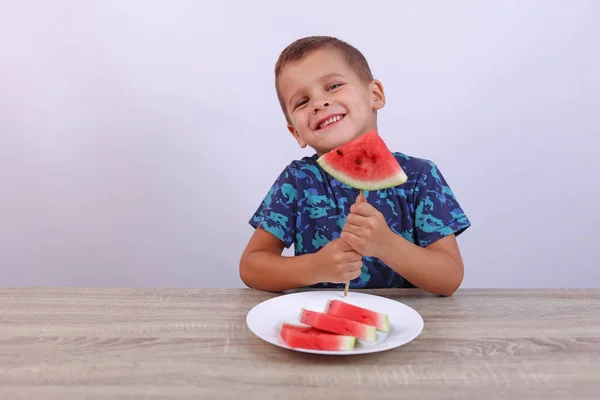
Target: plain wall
{"x":138,"y":137}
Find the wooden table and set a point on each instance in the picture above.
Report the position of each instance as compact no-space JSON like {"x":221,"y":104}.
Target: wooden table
{"x":194,"y":344}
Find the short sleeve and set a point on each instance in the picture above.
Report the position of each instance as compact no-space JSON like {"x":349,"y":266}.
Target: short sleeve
{"x":437,"y":212}
{"x":277,"y":212}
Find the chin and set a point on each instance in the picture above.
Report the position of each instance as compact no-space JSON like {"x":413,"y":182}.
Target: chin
{"x":345,"y":139}
{"x":335,"y":139}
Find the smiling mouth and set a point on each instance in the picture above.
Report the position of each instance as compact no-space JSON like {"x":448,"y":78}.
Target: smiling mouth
{"x":330,"y":121}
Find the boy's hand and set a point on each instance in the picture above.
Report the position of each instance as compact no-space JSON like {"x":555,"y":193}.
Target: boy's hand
{"x":338,"y":262}
{"x":366,"y":230}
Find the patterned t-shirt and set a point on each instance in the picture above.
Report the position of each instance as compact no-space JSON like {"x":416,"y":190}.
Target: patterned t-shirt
{"x":306,"y":207}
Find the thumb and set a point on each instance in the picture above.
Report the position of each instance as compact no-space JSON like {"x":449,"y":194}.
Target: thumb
{"x":344,"y":245}
{"x":349,"y":239}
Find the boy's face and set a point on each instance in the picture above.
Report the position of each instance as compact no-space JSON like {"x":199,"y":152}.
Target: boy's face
{"x":327,"y":102}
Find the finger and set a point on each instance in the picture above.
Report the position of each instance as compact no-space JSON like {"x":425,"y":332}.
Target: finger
{"x":355,"y":265}
{"x":356,"y":219}
{"x":360,"y":198}
{"x":349,"y":228}
{"x":352,"y":257}
{"x":350,"y":277}
{"x":352,"y":266}
{"x":355,"y":273}
{"x":356,"y":256}
{"x":347,"y":237}
{"x":345,"y":247}
{"x":355,"y":230}
{"x":364,"y":209}
{"x":352,"y":240}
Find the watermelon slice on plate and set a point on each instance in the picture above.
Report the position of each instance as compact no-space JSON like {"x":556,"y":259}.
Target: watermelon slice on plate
{"x":341,"y":326}
{"x":363,"y":315}
{"x":306,"y":337}
{"x":364,"y":163}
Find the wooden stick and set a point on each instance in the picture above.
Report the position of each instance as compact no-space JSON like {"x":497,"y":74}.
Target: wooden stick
{"x":361,"y":198}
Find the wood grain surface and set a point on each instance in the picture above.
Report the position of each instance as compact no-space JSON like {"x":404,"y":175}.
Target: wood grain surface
{"x":194,"y":344}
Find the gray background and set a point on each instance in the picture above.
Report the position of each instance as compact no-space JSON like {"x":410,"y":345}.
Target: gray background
{"x":138,"y":137}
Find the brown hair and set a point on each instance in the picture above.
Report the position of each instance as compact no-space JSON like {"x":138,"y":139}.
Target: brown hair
{"x":301,"y":48}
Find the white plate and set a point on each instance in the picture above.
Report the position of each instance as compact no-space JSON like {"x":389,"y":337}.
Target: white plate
{"x":265,"y":318}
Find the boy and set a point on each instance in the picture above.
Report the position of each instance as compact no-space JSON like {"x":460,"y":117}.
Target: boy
{"x":399,"y":237}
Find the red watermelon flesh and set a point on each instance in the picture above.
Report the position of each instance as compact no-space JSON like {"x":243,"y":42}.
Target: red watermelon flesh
{"x":364,"y":163}
{"x":345,"y":310}
{"x":306,"y":337}
{"x":341,"y":326}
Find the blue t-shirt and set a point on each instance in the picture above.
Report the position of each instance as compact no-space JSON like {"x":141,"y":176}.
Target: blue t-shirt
{"x":307,"y":207}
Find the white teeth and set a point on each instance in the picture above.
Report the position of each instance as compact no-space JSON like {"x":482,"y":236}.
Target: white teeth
{"x":329,"y":121}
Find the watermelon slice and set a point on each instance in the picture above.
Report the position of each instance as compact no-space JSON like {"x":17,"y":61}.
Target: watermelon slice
{"x":305,"y":337}
{"x":364,"y":163}
{"x":341,"y":326}
{"x":345,"y":310}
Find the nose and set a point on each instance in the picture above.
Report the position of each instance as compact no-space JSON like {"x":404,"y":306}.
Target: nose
{"x":320,"y":104}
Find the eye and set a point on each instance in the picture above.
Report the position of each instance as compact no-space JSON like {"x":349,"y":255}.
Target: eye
{"x":334,"y":86}
{"x":301,"y":103}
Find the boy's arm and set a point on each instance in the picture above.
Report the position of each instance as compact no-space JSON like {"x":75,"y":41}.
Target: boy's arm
{"x":263,"y":267}
{"x":434,"y":263}
{"x":437,"y":268}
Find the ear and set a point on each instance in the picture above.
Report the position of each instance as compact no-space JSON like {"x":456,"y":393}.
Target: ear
{"x":377,"y":95}
{"x":295,"y":133}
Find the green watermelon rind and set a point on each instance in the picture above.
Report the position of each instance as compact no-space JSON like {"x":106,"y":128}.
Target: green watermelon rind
{"x":394,"y":180}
